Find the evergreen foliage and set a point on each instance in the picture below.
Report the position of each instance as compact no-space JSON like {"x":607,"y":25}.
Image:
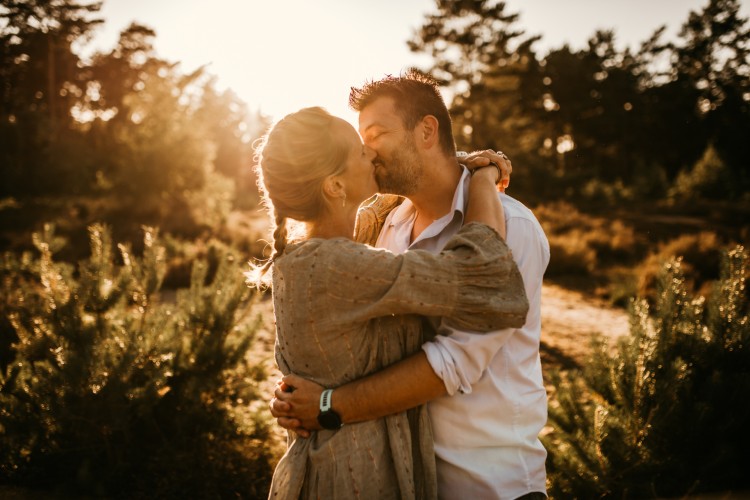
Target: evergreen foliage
{"x":666,"y":412}
{"x":633,"y":119}
{"x":123,"y":136}
{"x":108,"y":391}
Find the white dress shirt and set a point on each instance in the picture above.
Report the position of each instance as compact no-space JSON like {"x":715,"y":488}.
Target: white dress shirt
{"x":487,"y":430}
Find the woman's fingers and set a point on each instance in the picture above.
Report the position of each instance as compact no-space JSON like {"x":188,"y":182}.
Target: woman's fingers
{"x":479,"y":159}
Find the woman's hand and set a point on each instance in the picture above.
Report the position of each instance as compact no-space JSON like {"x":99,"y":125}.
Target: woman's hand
{"x":490,"y":171}
{"x":481,"y":159}
{"x":296,"y":404}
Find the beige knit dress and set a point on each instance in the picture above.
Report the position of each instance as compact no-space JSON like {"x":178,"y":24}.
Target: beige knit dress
{"x":345,"y":310}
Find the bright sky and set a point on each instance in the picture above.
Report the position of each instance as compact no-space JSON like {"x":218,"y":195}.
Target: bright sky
{"x":279,"y":56}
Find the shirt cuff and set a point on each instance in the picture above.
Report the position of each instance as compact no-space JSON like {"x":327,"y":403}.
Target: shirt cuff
{"x":460,"y":358}
{"x":442,"y":363}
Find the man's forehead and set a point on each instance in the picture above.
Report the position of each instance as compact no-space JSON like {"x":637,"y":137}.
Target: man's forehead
{"x":381,"y":111}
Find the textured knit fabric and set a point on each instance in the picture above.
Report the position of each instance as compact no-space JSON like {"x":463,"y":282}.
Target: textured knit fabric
{"x":345,"y":310}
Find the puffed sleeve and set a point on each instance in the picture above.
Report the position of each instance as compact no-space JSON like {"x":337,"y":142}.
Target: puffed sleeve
{"x":474,"y":282}
{"x":372,"y":215}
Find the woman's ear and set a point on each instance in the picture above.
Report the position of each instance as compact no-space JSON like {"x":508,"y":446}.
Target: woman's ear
{"x":428,"y":131}
{"x":333,"y":187}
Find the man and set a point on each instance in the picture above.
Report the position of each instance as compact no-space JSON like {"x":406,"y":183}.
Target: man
{"x":485,"y":394}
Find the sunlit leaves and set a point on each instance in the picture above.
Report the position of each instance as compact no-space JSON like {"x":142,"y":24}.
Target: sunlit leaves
{"x":673,"y":392}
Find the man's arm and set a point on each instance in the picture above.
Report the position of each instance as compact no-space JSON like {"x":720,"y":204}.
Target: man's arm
{"x":403,"y":385}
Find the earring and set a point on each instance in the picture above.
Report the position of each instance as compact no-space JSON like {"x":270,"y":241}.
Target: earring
{"x":343,"y":201}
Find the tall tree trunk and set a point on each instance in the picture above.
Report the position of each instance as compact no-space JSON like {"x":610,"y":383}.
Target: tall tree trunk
{"x":51,"y":97}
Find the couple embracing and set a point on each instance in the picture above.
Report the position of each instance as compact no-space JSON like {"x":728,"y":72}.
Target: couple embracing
{"x":407,"y":323}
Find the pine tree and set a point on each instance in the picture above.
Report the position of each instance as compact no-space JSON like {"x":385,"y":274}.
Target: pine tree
{"x":666,"y":412}
{"x":492,"y":75}
{"x":109,"y":391}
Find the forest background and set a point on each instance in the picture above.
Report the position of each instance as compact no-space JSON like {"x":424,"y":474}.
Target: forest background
{"x":130,"y":358}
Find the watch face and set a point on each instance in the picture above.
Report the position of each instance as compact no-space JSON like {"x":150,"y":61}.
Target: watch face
{"x":329,"y":420}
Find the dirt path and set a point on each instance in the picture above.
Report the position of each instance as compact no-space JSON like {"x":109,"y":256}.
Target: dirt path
{"x":570,"y":320}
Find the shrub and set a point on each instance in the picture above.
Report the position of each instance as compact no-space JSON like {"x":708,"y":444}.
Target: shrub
{"x":700,"y":261}
{"x":108,"y":392}
{"x":709,"y":178}
{"x":580,"y":243}
{"x":666,"y":413}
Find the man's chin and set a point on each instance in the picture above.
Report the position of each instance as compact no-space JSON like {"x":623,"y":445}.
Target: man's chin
{"x":387,"y":189}
{"x":388,"y":185}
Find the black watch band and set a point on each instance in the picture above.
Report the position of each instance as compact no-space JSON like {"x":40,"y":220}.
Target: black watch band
{"x":327,"y":418}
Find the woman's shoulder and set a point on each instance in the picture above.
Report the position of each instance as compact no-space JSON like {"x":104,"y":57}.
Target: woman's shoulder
{"x":372,"y":215}
{"x":325,"y":249}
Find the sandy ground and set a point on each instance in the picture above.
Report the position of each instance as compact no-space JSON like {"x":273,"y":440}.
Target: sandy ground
{"x":570,"y":320}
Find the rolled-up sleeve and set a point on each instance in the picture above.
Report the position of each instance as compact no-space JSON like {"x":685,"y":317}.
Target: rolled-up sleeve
{"x":459,"y":357}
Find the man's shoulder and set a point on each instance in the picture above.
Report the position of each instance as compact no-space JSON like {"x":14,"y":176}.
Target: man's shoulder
{"x":515,"y":209}
{"x":523,"y":227}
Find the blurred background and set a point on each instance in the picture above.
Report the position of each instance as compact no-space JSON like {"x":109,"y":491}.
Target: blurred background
{"x":131,"y":353}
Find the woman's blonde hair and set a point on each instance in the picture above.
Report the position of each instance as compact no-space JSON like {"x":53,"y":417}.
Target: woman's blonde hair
{"x":292,"y":160}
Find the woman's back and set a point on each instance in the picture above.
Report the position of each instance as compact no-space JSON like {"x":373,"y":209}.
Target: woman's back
{"x":322,"y":336}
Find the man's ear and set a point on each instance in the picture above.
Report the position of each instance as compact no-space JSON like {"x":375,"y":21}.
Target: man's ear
{"x":427,"y":131}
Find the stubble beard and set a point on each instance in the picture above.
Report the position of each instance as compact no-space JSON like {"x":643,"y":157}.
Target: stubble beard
{"x":401,"y":175}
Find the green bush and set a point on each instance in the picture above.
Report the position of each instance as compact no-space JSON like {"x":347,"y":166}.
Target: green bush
{"x":105,"y":390}
{"x":666,"y":413}
{"x":700,"y":260}
{"x":710,"y":178}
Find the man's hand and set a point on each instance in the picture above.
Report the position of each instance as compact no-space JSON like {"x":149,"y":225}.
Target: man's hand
{"x":478,"y":159}
{"x":296,"y":404}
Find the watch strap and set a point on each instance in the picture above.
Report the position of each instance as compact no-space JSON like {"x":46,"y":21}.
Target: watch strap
{"x":325,"y":400}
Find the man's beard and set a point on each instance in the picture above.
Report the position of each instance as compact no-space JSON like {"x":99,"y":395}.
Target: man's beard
{"x":401,"y":175}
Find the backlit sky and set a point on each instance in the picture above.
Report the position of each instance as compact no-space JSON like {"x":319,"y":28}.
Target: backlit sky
{"x":281,"y":55}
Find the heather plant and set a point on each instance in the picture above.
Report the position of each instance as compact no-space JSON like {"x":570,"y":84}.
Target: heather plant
{"x":664,"y":413}
{"x":107,"y":390}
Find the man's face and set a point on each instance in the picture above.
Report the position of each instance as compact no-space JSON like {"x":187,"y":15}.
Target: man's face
{"x":398,"y":167}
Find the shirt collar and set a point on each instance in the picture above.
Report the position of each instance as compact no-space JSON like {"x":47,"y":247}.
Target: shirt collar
{"x":406,"y":213}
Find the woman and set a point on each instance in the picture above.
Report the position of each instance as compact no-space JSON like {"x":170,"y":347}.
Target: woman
{"x":335,"y":301}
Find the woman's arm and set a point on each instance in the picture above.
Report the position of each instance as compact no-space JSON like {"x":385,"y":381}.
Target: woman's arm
{"x":474,"y":281}
{"x":484,"y":204}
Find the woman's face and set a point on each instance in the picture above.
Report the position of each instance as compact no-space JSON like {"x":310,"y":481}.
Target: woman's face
{"x":359,"y":176}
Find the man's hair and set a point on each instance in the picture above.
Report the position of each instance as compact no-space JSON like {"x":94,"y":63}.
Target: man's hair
{"x":416,"y":95}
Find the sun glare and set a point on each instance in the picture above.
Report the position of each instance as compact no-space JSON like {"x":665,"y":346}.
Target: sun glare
{"x":281,"y":56}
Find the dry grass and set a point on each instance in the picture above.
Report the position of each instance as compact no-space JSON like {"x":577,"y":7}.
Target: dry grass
{"x":582,"y":243}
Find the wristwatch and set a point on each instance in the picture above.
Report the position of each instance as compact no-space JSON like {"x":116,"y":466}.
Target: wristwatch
{"x":327,"y":418}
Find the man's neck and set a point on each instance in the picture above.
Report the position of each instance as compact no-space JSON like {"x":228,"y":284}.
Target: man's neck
{"x":434,"y":197}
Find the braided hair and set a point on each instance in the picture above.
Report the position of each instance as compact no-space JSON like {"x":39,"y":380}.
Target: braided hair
{"x":292,"y":161}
